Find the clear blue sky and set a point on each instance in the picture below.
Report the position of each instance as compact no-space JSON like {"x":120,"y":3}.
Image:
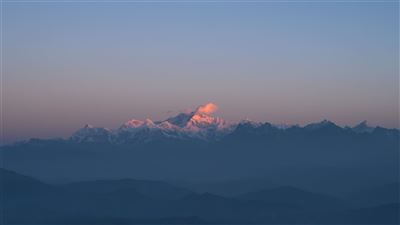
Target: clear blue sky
{"x":68,"y":64}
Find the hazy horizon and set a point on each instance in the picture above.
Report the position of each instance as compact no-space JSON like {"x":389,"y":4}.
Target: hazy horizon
{"x":70,"y":64}
{"x":212,"y":113}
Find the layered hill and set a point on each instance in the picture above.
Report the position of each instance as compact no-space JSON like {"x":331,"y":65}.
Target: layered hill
{"x":197,"y":146}
{"x":131,"y":201}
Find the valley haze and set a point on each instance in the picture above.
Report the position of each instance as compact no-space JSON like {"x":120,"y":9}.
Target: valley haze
{"x":197,"y":146}
{"x":194,"y":168}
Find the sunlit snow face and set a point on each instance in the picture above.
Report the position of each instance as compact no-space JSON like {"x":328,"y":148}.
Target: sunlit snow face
{"x":207,"y":108}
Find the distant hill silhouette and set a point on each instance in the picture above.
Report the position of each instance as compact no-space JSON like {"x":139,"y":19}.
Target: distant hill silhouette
{"x":250,"y":150}
{"x":151,"y":189}
{"x":242,"y":173}
{"x":27,"y":200}
{"x":296,"y":197}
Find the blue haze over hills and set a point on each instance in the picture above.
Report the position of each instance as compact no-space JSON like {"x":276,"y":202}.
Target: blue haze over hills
{"x":195,"y":168}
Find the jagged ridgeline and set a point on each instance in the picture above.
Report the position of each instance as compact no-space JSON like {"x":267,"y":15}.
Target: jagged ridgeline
{"x":195,"y":168}
{"x":198,"y":146}
{"x":198,"y":124}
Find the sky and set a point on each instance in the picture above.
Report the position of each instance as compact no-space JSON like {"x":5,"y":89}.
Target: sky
{"x":70,"y":63}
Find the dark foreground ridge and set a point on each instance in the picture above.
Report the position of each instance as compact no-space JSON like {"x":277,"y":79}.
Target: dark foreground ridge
{"x":128,"y":201}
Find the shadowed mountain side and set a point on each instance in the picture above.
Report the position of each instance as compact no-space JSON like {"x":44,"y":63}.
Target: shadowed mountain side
{"x":27,"y":200}
{"x":16,"y":185}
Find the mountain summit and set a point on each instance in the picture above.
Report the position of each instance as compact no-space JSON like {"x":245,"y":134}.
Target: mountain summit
{"x":363,"y":127}
{"x":200,"y":120}
{"x":198,"y":124}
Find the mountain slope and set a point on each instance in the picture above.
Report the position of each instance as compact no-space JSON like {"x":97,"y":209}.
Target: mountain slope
{"x":296,"y":197}
{"x":151,"y":189}
{"x":201,"y":125}
{"x":129,"y":202}
{"x":198,"y":124}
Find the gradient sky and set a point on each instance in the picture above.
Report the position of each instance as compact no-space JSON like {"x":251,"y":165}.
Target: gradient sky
{"x":68,"y":64}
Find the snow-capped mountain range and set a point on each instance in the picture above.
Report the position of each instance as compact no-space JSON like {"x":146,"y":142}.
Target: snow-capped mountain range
{"x":199,"y":124}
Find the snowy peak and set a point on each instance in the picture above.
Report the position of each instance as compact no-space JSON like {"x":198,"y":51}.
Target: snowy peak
{"x":180,"y":120}
{"x":87,"y":126}
{"x":249,"y":123}
{"x":202,"y":119}
{"x":149,"y":123}
{"x":323,"y":124}
{"x":199,"y":120}
{"x":198,"y":124}
{"x":167,"y":125}
{"x":91,"y":134}
{"x":133,"y":123}
{"x":363,"y":127}
{"x":207,"y":109}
